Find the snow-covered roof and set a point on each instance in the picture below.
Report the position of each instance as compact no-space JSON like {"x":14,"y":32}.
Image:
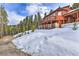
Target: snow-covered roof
{"x":74,"y":10}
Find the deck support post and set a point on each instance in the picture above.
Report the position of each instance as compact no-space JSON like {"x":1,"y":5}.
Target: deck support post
{"x":77,"y":16}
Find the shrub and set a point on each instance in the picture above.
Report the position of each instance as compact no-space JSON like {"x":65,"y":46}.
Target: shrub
{"x":75,"y":26}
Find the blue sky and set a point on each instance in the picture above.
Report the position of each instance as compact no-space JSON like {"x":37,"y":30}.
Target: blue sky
{"x":18,"y":11}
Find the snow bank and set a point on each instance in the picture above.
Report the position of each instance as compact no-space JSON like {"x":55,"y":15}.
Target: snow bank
{"x":17,"y":35}
{"x":70,"y":25}
{"x":52,"y":42}
{"x":20,"y":34}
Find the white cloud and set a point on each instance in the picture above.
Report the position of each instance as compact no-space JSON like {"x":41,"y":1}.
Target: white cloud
{"x":34,"y":8}
{"x":14,"y":18}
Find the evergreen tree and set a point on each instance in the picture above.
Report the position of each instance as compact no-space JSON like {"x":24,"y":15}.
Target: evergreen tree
{"x":27,"y":23}
{"x":75,"y":26}
{"x":45,"y":14}
{"x":3,"y":21}
{"x":21,"y":26}
{"x":38,"y":19}
{"x":30,"y":22}
{"x":75,"y":5}
{"x":18,"y":28}
{"x":51,"y":11}
{"x":35,"y":23}
{"x":24,"y":25}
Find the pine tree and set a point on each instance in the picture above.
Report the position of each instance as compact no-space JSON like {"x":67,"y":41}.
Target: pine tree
{"x":75,"y":26}
{"x":51,"y":11}
{"x":75,"y":5}
{"x":27,"y":23}
{"x":34,"y":24}
{"x":38,"y":19}
{"x":18,"y":28}
{"x":3,"y":20}
{"x":30,"y":22}
{"x":45,"y":14}
{"x":21,"y":26}
{"x":24,"y":25}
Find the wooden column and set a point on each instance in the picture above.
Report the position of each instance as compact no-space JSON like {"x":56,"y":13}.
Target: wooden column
{"x":48,"y":25}
{"x":44,"y":26}
{"x":68,"y":19}
{"x":77,"y":16}
{"x":59,"y":23}
{"x":51,"y":24}
{"x":63,"y":21}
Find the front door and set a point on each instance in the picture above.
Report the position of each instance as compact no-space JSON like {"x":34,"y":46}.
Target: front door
{"x":56,"y":24}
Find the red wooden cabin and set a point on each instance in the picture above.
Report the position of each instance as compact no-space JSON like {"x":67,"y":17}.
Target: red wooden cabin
{"x":60,"y":16}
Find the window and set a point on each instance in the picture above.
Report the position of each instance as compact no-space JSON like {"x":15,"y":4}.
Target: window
{"x":64,"y":12}
{"x":54,"y":14}
{"x":59,"y":13}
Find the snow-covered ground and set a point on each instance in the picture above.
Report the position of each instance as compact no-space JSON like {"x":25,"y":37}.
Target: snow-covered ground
{"x":53,"y":42}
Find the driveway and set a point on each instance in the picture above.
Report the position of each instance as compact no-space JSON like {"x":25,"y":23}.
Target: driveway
{"x":8,"y":49}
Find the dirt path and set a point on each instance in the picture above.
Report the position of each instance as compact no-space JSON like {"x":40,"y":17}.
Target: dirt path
{"x":8,"y":49}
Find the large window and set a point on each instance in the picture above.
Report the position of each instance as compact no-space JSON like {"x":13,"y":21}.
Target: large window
{"x":59,"y":13}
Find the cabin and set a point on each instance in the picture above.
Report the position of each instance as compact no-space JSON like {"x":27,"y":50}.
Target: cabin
{"x":60,"y":16}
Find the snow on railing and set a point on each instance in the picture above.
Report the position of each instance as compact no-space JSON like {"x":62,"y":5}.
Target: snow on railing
{"x":22,"y":33}
{"x":74,"y":10}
